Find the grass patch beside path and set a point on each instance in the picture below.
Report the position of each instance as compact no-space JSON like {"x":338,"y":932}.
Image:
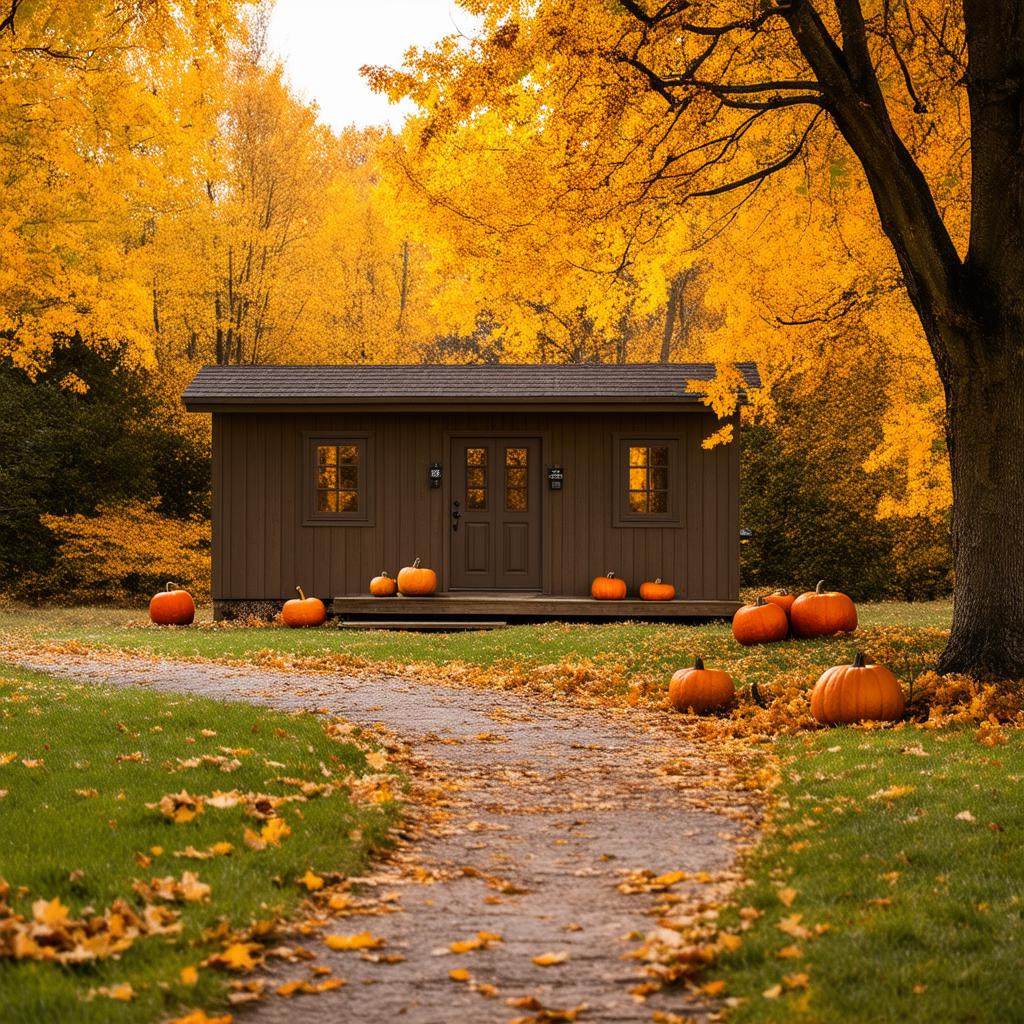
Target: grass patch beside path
{"x":923,"y":908}
{"x":75,"y":822}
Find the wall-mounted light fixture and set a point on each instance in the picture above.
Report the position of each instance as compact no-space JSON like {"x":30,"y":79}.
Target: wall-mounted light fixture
{"x":434,"y":474}
{"x":745,"y":535}
{"x":555,"y":477}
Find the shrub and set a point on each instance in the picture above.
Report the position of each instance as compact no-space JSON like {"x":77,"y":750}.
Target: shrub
{"x":123,"y":553}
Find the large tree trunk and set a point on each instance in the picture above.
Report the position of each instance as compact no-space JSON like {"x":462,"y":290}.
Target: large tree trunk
{"x":985,"y":432}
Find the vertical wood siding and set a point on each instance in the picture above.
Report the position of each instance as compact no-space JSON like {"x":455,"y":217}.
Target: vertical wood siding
{"x":261,"y":550}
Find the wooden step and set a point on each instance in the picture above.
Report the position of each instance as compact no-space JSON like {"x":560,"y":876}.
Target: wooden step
{"x":411,"y":625}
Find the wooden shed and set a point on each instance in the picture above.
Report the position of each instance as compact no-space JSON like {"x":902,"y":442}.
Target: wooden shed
{"x":518,"y":484}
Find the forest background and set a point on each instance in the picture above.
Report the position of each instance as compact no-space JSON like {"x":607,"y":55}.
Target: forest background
{"x":168,"y":201}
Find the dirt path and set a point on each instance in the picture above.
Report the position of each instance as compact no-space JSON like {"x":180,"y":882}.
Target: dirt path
{"x":558,"y":804}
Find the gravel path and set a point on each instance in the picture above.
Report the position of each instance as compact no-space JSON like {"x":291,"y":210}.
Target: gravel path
{"x":553,"y":806}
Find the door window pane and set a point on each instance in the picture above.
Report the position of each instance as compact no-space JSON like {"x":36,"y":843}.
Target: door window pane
{"x":516,"y":469}
{"x":476,"y":478}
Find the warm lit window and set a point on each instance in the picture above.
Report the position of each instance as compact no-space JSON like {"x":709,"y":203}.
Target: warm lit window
{"x":339,"y":471}
{"x":476,"y":478}
{"x":648,"y":481}
{"x":516,"y":489}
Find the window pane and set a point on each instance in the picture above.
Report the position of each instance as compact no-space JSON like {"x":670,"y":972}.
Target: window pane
{"x":515,"y":457}
{"x":325,"y":454}
{"x":327,"y":501}
{"x":515,"y":478}
{"x":515,"y":500}
{"x":659,"y":479}
{"x":638,"y":479}
{"x":476,"y":476}
{"x":348,"y":478}
{"x":639,"y":456}
{"x":659,"y":455}
{"x":657,"y":501}
{"x":476,"y":497}
{"x":476,"y":456}
{"x":348,"y":454}
{"x":638,"y":501}
{"x":348,"y":501}
{"x":326,"y":477}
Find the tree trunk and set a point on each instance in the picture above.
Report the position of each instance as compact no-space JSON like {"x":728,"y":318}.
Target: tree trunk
{"x":985,"y":433}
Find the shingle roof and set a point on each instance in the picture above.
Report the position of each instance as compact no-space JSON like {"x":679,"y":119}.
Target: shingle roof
{"x":440,"y":384}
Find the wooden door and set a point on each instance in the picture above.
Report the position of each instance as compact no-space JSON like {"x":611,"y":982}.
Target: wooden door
{"x":495,"y":515}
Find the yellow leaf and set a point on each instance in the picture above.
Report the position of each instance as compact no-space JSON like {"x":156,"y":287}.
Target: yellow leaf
{"x":772,"y":993}
{"x":489,"y":936}
{"x":189,"y":975}
{"x":199,"y":1017}
{"x":237,"y":957}
{"x":11,"y":755}
{"x":790,"y":953}
{"x":550,"y":959}
{"x":377,"y":760}
{"x":459,"y":974}
{"x":795,"y":980}
{"x":787,"y":896}
{"x":311,"y":881}
{"x":670,"y":879}
{"x":274,"y":831}
{"x":50,"y":912}
{"x":465,"y":945}
{"x":339,"y":901}
{"x":123,"y":992}
{"x":361,"y":940}
{"x":713,"y":988}
{"x":729,"y":941}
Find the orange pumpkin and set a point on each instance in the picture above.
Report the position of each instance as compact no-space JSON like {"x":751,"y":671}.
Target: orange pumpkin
{"x":701,"y":689}
{"x":822,"y":613}
{"x":416,"y":582}
{"x":172,"y":607}
{"x":383,"y":586}
{"x":657,"y":591}
{"x":760,"y":623}
{"x":857,"y":693}
{"x":303,"y":611}
{"x":608,"y":588}
{"x":783,"y":598}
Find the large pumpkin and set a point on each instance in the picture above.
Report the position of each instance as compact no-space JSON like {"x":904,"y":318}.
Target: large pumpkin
{"x":383,"y":586}
{"x":416,"y":582}
{"x":303,"y":611}
{"x":820,"y":612}
{"x":783,"y":598}
{"x":657,"y":591}
{"x":857,"y":693}
{"x":172,"y":607}
{"x":760,"y":623}
{"x":701,"y":689}
{"x":608,"y":588}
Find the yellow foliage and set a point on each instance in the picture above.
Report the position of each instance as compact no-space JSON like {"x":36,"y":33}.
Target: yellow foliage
{"x":125,"y":551}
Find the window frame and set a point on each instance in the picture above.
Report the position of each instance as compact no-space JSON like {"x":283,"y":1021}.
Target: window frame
{"x":363,"y":443}
{"x":622,"y":512}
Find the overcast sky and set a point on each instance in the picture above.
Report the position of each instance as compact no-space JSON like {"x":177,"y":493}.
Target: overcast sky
{"x":325,"y":42}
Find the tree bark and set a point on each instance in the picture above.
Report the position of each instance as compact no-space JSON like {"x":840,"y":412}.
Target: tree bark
{"x":985,"y":435}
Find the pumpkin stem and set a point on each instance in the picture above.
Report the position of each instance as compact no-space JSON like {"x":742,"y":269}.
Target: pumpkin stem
{"x":820,"y":588}
{"x":172,"y":586}
{"x":759,"y":602}
{"x":416,"y":564}
{"x":609,"y":574}
{"x":383,"y":573}
{"x":302,"y":596}
{"x":657,"y":579}
{"x":698,"y":663}
{"x":780,"y":593}
{"x":858,"y":661}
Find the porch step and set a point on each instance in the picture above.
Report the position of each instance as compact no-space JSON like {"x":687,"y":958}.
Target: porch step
{"x":411,"y":625}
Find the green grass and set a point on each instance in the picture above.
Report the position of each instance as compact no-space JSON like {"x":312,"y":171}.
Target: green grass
{"x":638,"y":647}
{"x":952,"y":925}
{"x":49,"y":832}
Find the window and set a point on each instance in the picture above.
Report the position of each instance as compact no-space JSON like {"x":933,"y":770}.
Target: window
{"x":476,"y":478}
{"x":648,"y":481}
{"x":516,"y":489}
{"x":338,"y":474}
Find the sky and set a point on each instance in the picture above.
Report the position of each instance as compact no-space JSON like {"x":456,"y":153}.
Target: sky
{"x":325,"y":42}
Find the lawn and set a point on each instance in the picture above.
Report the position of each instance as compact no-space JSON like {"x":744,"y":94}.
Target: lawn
{"x":79,"y":765}
{"x":903,"y":849}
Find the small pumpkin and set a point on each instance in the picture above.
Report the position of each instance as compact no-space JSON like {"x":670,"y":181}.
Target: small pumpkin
{"x":657,"y":591}
{"x":608,"y":588}
{"x":857,"y":693}
{"x":759,"y":623}
{"x":383,"y":586}
{"x":783,"y":598}
{"x":172,"y":607}
{"x":303,"y":611}
{"x":701,"y":689}
{"x":414,"y":581}
{"x":821,"y":612}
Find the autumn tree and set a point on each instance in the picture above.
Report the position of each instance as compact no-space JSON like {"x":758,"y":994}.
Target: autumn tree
{"x":645,"y":107}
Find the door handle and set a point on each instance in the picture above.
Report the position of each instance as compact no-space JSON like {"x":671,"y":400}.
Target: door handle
{"x":456,"y":515}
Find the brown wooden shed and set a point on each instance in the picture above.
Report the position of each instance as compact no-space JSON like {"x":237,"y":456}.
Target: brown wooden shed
{"x":518,"y":484}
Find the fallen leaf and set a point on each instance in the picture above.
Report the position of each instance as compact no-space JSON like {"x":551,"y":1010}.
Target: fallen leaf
{"x":772,"y":993}
{"x":966,"y":816}
{"x":360,"y":940}
{"x":550,"y":959}
{"x":311,"y":881}
{"x":459,"y":974}
{"x":188,"y":975}
{"x":787,"y":896}
{"x":713,"y":988}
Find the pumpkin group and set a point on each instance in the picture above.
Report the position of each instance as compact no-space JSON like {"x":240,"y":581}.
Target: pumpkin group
{"x":760,"y":623}
{"x":414,"y":581}
{"x":657,"y":591}
{"x":608,"y":588}
{"x":303,"y":611}
{"x":701,"y":689}
{"x":172,"y":607}
{"x":383,"y":586}
{"x":822,"y":613}
{"x":857,"y":693}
